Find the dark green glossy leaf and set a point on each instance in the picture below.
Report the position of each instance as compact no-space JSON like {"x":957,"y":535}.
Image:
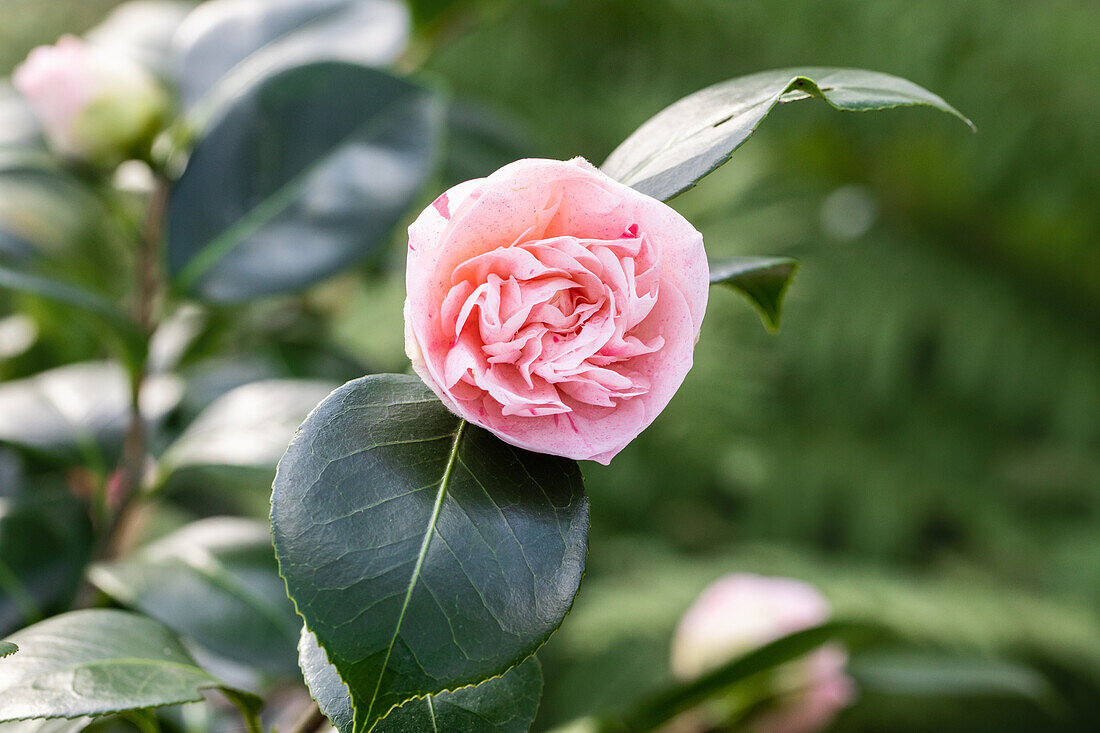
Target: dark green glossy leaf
{"x":505,"y":704}
{"x":245,"y":430}
{"x":6,"y":648}
{"x":499,"y":705}
{"x":45,"y":542}
{"x":763,"y":280}
{"x":95,"y":662}
{"x":677,"y":699}
{"x":423,"y":552}
{"x":302,"y":176}
{"x":79,"y":410}
{"x":684,"y":142}
{"x":143,"y":29}
{"x":251,"y":38}
{"x":214,"y":581}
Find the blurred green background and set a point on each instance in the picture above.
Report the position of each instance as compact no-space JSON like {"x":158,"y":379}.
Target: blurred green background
{"x":922,"y":437}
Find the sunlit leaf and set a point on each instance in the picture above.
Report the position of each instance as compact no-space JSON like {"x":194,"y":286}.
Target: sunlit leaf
{"x":143,"y":29}
{"x":46,"y":725}
{"x":250,"y":39}
{"x":78,"y":410}
{"x":684,"y":142}
{"x":94,"y":662}
{"x":246,"y":429}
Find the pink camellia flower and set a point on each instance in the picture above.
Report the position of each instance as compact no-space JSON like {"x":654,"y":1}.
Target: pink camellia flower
{"x":741,"y":612}
{"x":554,"y":306}
{"x":94,"y":104}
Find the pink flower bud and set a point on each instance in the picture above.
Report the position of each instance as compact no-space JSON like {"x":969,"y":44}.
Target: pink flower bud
{"x":94,"y":104}
{"x":741,"y":612}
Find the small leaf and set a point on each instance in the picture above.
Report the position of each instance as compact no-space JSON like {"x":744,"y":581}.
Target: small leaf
{"x":6,"y":648}
{"x":78,"y":411}
{"x":668,"y":154}
{"x":424,"y":553}
{"x":680,"y":698}
{"x":302,"y":176}
{"x":95,"y":662}
{"x":498,"y":705}
{"x":214,"y":581}
{"x":45,"y":543}
{"x":763,"y":280}
{"x":249,"y":39}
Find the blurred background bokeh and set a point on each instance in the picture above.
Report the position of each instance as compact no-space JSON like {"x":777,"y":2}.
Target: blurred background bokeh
{"x":921,"y":439}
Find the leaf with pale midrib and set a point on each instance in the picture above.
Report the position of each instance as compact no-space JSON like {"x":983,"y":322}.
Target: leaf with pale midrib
{"x":424,"y":553}
{"x":505,"y":704}
{"x":676,"y":147}
{"x":763,"y":280}
{"x":98,"y":661}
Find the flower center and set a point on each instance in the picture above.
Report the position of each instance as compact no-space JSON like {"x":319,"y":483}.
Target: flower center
{"x":544,"y":326}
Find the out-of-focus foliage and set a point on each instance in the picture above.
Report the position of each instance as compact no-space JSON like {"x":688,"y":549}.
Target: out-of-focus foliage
{"x":932,"y":402}
{"x":922,"y":437}
{"x":933,"y":397}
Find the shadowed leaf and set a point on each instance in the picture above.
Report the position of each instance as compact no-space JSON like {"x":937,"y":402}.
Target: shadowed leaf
{"x":424,"y":553}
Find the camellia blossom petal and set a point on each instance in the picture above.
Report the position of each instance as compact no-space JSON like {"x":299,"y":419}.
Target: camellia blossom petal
{"x":554,"y":306}
{"x":95,"y":104}
{"x":741,"y":612}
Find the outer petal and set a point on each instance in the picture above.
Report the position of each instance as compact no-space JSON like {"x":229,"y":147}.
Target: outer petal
{"x":425,"y":240}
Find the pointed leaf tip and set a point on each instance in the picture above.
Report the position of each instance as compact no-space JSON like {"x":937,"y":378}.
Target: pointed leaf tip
{"x":763,"y":280}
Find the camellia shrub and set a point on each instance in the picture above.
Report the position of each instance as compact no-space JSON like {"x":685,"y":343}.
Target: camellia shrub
{"x":430,"y":528}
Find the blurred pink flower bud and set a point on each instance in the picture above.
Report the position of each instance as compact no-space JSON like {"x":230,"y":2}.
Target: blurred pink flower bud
{"x":94,"y":104}
{"x":741,"y":612}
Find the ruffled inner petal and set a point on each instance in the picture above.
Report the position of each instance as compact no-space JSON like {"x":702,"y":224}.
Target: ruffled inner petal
{"x":550,"y":319}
